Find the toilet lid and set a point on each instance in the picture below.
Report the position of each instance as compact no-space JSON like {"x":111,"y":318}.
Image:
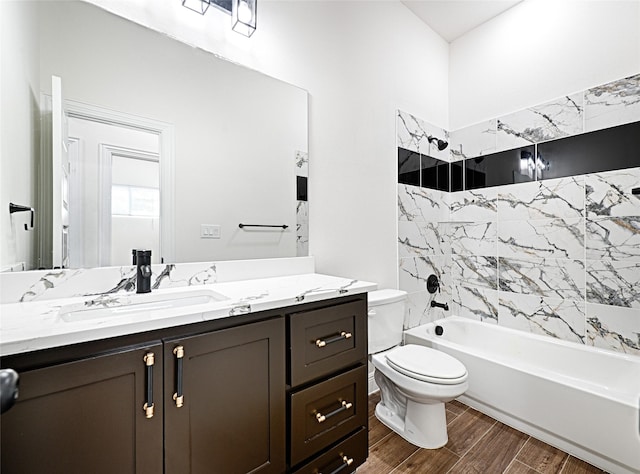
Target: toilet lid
{"x":429,"y":365}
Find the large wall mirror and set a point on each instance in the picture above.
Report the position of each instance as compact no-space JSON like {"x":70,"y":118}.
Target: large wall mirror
{"x":166,"y":146}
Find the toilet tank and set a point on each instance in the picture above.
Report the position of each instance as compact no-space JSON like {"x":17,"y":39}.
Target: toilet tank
{"x":386,"y":318}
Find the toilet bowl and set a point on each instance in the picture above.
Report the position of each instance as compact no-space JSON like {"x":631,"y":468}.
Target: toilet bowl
{"x":414,"y":381}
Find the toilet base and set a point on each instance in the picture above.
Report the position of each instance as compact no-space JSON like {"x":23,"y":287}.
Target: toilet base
{"x":424,"y":425}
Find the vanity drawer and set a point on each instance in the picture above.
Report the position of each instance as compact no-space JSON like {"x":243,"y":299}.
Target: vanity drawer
{"x":326,"y":340}
{"x":342,"y":458}
{"x":326,"y":412}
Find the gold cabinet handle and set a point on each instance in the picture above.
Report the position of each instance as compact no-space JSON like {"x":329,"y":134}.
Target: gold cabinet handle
{"x":149,"y":361}
{"x":346,"y":461}
{"x":320,"y":418}
{"x":323,"y":342}
{"x":178,"y":396}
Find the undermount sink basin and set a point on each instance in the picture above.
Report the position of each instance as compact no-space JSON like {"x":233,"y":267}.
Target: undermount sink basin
{"x":109,"y":306}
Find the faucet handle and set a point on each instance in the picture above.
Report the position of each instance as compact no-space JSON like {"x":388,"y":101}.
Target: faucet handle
{"x":145,"y":271}
{"x":433,"y":284}
{"x":143,"y":264}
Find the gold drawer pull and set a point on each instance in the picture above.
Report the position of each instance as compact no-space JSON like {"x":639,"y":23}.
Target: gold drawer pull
{"x":343,"y":335}
{"x":344,"y":406}
{"x":346,"y":461}
{"x":148,"y":407}
{"x":178,"y":396}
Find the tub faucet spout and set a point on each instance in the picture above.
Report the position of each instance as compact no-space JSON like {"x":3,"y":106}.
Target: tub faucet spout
{"x":435,"y":304}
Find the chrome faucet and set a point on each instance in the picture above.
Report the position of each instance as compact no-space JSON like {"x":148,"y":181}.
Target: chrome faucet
{"x":143,"y":271}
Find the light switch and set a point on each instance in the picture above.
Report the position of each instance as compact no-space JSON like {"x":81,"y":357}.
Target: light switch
{"x":209,"y":231}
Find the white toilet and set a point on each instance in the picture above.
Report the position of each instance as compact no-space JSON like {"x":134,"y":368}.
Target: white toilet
{"x":414,"y":381}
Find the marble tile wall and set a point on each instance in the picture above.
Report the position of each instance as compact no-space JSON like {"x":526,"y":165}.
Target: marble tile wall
{"x":474,"y":266}
{"x":555,"y":119}
{"x":567,"y":260}
{"x":559,"y":257}
{"x":612,"y":252}
{"x":413,"y":133}
{"x":423,"y":215}
{"x":423,"y":250}
{"x":302,"y":207}
{"x":612,"y":104}
{"x":540,"y":257}
{"x":605,"y":106}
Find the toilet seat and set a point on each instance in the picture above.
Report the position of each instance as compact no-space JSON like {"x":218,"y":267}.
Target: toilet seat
{"x":426,"y":364}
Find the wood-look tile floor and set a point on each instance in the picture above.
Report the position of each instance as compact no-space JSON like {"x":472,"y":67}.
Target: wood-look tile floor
{"x":477,"y":444}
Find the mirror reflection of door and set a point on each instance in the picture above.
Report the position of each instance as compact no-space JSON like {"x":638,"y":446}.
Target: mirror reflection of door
{"x":59,"y":177}
{"x":115,"y":191}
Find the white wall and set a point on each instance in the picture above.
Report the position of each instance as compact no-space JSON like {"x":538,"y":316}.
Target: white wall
{"x":359,"y":61}
{"x":540,"y":50}
{"x":19,"y":124}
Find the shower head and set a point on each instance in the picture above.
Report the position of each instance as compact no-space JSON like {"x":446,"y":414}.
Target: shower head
{"x":440,"y":143}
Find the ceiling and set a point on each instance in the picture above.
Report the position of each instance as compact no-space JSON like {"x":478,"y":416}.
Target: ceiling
{"x":453,"y":18}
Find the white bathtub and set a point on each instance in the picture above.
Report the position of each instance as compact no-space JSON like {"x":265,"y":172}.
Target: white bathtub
{"x":583,"y":400}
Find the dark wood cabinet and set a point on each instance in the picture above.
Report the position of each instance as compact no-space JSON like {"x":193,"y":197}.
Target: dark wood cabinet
{"x":231,"y":417}
{"x":341,"y":458}
{"x":327,"y":339}
{"x":234,"y":395}
{"x":328,"y":387}
{"x":327,"y":411}
{"x":87,"y":416}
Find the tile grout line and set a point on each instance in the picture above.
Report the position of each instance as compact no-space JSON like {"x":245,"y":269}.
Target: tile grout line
{"x":472,"y":446}
{"x":456,"y":463}
{"x":405,"y":460}
{"x":564,"y":464}
{"x":516,"y":455}
{"x":515,"y":459}
{"x":495,"y":422}
{"x":381,"y":440}
{"x":466,"y":408}
{"x":522,"y":447}
{"x":509,"y":465}
{"x":530,"y":467}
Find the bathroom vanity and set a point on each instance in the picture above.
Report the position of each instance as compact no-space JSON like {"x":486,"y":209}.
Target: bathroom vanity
{"x":283,"y":389}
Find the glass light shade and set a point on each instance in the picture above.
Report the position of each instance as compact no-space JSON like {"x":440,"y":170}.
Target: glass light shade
{"x":199,"y":6}
{"x":243,"y":16}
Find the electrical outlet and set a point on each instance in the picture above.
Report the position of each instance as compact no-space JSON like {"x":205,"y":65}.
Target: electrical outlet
{"x":209,"y":231}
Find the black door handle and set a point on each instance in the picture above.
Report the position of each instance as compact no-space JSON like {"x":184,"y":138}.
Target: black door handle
{"x":9,"y":381}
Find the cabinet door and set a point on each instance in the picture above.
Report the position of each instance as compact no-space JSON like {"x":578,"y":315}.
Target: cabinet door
{"x":232,"y":414}
{"x":86,"y":416}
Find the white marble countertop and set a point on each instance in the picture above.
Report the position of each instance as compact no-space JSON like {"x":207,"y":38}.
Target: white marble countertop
{"x":30,"y":326}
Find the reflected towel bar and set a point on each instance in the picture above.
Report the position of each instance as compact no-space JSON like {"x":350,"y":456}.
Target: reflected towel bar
{"x":635,"y":191}
{"x":19,"y":208}
{"x":282,"y":226}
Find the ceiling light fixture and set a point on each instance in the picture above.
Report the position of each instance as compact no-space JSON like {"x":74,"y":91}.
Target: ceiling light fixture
{"x":199,"y":6}
{"x":243,"y":16}
{"x":243,"y":12}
